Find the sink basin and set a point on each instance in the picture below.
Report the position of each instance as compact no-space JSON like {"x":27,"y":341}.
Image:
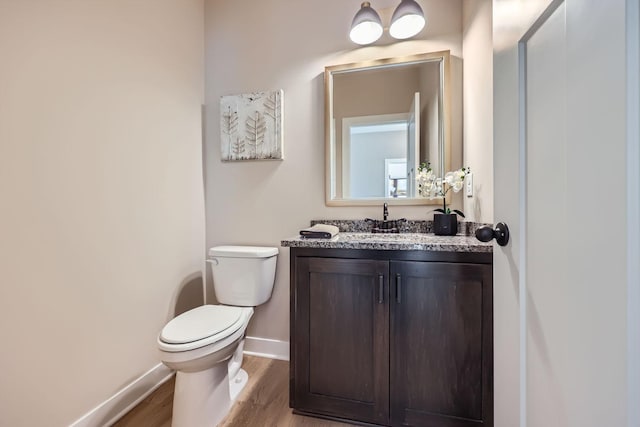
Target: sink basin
{"x":387,"y":226}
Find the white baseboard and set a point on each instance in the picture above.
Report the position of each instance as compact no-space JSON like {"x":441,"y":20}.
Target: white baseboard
{"x":114,"y":408}
{"x":263,"y":347}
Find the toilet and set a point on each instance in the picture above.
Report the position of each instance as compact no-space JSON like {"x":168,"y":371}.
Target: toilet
{"x":204,"y":345}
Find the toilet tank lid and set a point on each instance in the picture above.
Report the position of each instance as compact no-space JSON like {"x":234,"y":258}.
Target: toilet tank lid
{"x":242,"y":252}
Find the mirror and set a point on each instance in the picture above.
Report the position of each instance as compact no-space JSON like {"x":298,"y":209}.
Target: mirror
{"x":384,"y":118}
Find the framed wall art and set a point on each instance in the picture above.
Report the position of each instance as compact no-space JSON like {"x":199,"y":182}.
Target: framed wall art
{"x":251,"y":126}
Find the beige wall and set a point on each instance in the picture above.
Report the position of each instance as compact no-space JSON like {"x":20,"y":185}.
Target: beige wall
{"x":354,"y":93}
{"x":477,"y":47}
{"x":101,"y":192}
{"x":275,"y":44}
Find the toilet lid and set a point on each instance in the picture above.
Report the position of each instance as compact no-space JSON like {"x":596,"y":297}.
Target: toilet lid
{"x":200,"y":323}
{"x":242,"y":252}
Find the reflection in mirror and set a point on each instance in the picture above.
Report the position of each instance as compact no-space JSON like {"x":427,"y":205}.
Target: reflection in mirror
{"x":383,"y":119}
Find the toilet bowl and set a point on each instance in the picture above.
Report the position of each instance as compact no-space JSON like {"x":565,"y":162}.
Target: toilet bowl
{"x":204,"y":345}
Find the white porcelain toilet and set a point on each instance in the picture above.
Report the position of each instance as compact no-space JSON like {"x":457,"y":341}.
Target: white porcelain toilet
{"x":204,"y":345}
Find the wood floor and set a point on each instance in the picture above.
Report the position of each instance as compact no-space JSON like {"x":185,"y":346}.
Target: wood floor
{"x":263,"y":403}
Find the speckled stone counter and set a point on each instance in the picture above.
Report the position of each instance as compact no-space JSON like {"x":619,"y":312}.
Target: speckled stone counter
{"x":394,"y":242}
{"x":465,"y":228}
{"x":414,"y":235}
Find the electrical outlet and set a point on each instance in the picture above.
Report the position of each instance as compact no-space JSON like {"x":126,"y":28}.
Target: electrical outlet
{"x":468,"y":185}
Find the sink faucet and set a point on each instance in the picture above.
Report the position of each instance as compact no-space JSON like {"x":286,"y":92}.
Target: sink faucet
{"x":386,"y":225}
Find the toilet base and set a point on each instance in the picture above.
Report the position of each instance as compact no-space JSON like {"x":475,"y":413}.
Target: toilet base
{"x":237,"y":377}
{"x":201,"y":399}
{"x":237,"y":384}
{"x":204,"y":398}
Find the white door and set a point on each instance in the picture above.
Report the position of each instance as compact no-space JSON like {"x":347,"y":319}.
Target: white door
{"x":413,"y":144}
{"x":566,"y":173}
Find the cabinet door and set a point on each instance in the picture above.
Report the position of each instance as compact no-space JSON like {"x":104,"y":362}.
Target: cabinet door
{"x":341,"y":353}
{"x":441,"y":344}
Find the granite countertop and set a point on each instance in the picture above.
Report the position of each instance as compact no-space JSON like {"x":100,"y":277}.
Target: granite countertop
{"x":393,"y":242}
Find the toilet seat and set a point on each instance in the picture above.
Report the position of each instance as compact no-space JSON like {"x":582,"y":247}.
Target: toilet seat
{"x":202,"y":326}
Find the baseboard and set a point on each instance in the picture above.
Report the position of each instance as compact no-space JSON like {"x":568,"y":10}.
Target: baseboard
{"x":263,"y":347}
{"x":114,"y":408}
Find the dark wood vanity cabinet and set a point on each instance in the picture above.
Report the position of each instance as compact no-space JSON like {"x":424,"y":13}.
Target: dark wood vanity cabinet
{"x":341,"y":341}
{"x":398,"y":338}
{"x":441,"y":344}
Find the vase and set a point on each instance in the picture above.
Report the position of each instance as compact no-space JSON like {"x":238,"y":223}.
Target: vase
{"x":445,"y":224}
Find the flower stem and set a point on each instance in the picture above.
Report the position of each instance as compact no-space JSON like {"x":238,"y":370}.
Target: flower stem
{"x":444,"y":202}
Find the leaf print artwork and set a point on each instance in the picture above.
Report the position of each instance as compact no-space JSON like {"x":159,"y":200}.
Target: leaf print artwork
{"x":273,"y":110}
{"x":229,"y":128}
{"x":251,"y":126}
{"x":237,"y":148}
{"x":230,"y":121}
{"x":255,"y":131}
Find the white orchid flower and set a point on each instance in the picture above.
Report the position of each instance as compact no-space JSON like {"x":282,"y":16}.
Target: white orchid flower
{"x":450,"y":178}
{"x":431,"y":186}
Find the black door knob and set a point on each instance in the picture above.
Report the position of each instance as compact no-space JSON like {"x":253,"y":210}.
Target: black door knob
{"x":500,"y":233}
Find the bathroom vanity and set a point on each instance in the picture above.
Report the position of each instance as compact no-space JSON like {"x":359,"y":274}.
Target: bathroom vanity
{"x":392,"y":329}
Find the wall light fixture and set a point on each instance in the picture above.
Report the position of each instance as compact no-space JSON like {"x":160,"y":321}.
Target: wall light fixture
{"x":366,"y":27}
{"x":407,"y":21}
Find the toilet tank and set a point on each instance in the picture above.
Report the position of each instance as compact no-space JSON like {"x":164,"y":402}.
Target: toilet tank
{"x":243,"y":275}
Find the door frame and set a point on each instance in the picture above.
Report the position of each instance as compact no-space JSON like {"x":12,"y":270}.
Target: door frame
{"x":522,"y":198}
{"x":633,"y":209}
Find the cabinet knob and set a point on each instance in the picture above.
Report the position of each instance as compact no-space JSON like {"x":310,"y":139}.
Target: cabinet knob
{"x":500,"y":233}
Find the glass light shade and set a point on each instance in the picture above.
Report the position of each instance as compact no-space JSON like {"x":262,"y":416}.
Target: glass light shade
{"x":407,"y":20}
{"x":366,"y":26}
